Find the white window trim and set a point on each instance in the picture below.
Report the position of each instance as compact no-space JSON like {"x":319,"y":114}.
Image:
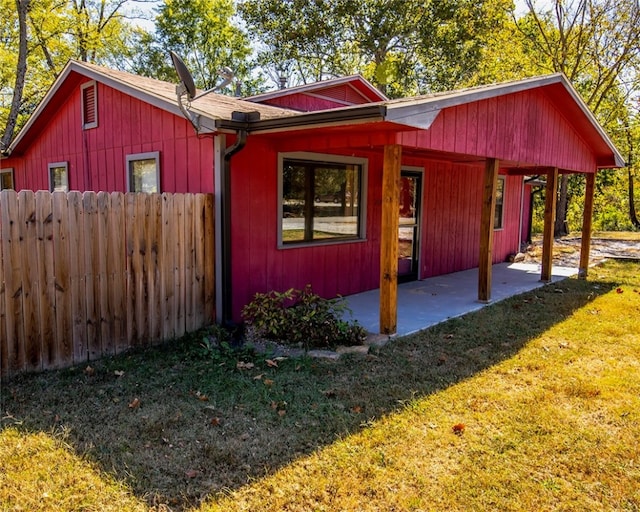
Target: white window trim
{"x":56,"y":165}
{"x":142,"y":156}
{"x":87,"y":126}
{"x":504,"y":189}
{"x":9,"y":171}
{"x":329,"y":158}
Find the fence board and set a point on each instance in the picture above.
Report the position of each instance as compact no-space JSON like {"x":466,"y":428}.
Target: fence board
{"x":100,"y":256}
{"x":12,"y":269}
{"x":189,"y":277}
{"x":198,"y":259}
{"x":30,"y":289}
{"x":3,"y":313}
{"x":62,"y":280}
{"x":170,"y":266}
{"x":46,"y":277}
{"x":92,"y":280}
{"x":117,"y":278}
{"x":154,"y":246}
{"x":180,"y":260}
{"x":84,"y":275}
{"x":209,"y":260}
{"x":77,"y":277}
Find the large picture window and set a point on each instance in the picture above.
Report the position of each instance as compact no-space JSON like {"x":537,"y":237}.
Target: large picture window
{"x":6,"y":179}
{"x":321,"y":199}
{"x":143,"y":172}
{"x":498,"y":219}
{"x":59,"y":177}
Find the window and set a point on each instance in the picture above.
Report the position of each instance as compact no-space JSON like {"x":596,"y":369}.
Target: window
{"x":321,"y":198}
{"x":89,"y":105}
{"x":143,"y":172}
{"x":59,"y":177}
{"x":6,"y":179}
{"x":498,"y":216}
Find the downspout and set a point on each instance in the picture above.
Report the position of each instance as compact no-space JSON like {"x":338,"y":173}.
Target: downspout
{"x":225,"y":198}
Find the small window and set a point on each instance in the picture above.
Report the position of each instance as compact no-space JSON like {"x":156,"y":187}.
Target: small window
{"x":59,"y":177}
{"x":6,"y":179}
{"x":321,"y":198}
{"x":498,"y":218}
{"x":143,"y":172}
{"x":89,"y":105}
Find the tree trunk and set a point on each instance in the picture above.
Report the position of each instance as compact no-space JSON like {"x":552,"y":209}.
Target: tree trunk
{"x":21,"y":71}
{"x":632,"y":206}
{"x":560,"y":227}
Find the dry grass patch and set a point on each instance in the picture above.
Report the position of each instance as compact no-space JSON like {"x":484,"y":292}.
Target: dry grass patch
{"x":543,"y":389}
{"x":38,"y":472}
{"x":555,"y":427}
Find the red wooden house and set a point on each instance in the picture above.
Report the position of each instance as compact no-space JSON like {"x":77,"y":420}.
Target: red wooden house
{"x":329,"y":184}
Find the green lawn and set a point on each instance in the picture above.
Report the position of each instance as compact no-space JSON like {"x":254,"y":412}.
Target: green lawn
{"x":529,"y":404}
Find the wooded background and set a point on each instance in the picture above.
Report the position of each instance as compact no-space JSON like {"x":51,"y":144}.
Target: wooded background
{"x":404,"y":47}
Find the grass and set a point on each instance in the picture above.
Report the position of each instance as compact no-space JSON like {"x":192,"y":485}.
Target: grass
{"x":543,"y":389}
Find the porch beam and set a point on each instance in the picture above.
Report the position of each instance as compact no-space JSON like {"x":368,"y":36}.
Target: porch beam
{"x":587,"y":217}
{"x":486,"y":228}
{"x":389,"y":239}
{"x":549,"y":220}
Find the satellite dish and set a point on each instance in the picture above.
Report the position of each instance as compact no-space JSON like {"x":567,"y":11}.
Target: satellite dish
{"x":184,"y":75}
{"x":188,"y":87}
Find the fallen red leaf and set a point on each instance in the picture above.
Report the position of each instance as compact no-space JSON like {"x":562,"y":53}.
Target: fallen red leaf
{"x":134,"y":404}
{"x":215,"y":422}
{"x":619,"y":290}
{"x":458,"y":428}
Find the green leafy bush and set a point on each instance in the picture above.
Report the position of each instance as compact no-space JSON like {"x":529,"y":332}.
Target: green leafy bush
{"x":301,"y":317}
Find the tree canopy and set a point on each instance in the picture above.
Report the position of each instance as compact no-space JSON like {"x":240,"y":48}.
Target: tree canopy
{"x":404,"y":47}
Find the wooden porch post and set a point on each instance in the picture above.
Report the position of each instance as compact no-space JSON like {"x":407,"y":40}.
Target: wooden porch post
{"x":587,"y":216}
{"x":549,"y":219}
{"x":486,"y":229}
{"x":389,"y":239}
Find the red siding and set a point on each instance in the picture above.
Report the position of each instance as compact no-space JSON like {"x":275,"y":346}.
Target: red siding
{"x":97,"y":156}
{"x":523,"y":128}
{"x":304,"y":103}
{"x":450,"y":226}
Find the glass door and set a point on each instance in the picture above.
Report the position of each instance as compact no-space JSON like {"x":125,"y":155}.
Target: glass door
{"x":409,"y":225}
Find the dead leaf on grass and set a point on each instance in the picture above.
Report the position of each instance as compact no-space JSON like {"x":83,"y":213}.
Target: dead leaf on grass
{"x":241,"y":365}
{"x":268,"y":382}
{"x":271,"y":363}
{"x":118,"y":373}
{"x":448,"y":336}
{"x":458,"y":429}
{"x":134,"y":404}
{"x":202,"y":397}
{"x":89,"y":371}
{"x":282,"y":412}
{"x":259,"y":377}
{"x":215,"y":422}
{"x":619,"y":290}
{"x":191,"y":473}
{"x":356,"y":409}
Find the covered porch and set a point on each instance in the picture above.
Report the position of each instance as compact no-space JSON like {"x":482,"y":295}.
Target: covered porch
{"x":422,"y":304}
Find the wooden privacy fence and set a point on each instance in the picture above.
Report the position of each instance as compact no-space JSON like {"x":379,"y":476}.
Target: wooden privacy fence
{"x":89,"y":274}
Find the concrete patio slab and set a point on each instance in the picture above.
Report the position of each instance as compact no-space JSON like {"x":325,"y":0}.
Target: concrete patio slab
{"x":425,"y":303}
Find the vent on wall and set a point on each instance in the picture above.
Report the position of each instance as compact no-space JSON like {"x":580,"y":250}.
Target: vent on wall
{"x":89,"y":105}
